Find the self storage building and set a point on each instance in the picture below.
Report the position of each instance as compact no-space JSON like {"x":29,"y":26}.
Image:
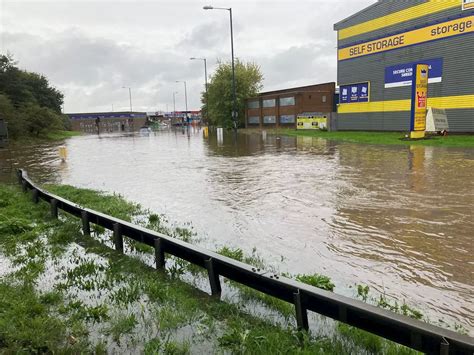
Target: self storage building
{"x":377,"y":48}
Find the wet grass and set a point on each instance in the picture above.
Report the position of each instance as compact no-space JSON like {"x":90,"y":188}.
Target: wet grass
{"x":379,"y":138}
{"x":60,"y":135}
{"x":67,"y":292}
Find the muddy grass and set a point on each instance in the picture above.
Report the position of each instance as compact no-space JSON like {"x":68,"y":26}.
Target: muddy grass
{"x":61,"y":291}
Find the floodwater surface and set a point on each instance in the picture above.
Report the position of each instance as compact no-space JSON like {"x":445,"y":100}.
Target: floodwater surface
{"x":399,"y":219}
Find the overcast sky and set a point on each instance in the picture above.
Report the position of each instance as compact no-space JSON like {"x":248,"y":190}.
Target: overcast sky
{"x":90,"y":49}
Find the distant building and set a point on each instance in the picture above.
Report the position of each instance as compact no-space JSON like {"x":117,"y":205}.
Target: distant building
{"x":107,"y":121}
{"x":377,"y":48}
{"x":280,"y":108}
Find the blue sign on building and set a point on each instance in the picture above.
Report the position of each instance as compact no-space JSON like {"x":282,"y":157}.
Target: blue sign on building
{"x":401,"y":74}
{"x":354,"y":93}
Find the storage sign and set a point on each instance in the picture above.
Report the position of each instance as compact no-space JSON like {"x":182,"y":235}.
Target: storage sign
{"x":419,"y":97}
{"x":434,"y":32}
{"x":354,"y":93}
{"x":401,"y":74}
{"x":312,"y":122}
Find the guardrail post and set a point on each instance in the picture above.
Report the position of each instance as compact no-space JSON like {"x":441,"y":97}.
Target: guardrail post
{"x":54,"y":208}
{"x":23,"y":186}
{"x":301,"y":312}
{"x":86,"y":228}
{"x":342,"y":313}
{"x":159,"y":254}
{"x":19,"y":176}
{"x":118,"y":237}
{"x":415,"y":340}
{"x":213,"y":277}
{"x":35,"y":196}
{"x":444,"y":347}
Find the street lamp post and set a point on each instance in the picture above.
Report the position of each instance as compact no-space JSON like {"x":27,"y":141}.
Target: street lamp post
{"x":205,"y":81}
{"x":130,"y":97}
{"x":185,"y":96}
{"x":234,"y":97}
{"x":174,"y":103}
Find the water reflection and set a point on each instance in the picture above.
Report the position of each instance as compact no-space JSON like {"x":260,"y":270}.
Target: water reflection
{"x":397,"y":218}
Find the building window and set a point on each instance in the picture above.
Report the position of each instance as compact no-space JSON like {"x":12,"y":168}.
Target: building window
{"x":269,"y":119}
{"x":254,"y":120}
{"x":284,"y":119}
{"x":253,"y":104}
{"x":287,"y":101}
{"x":268,"y":103}
{"x":323,"y":98}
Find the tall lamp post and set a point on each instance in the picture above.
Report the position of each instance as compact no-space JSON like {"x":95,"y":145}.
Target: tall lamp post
{"x":130,"y":97}
{"x":185,"y":97}
{"x":205,"y":80}
{"x":174,"y":103}
{"x":234,"y":101}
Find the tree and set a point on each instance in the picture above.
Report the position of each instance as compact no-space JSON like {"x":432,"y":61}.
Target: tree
{"x":23,"y":87}
{"x":248,"y":82}
{"x":27,"y":101}
{"x":10,"y":115}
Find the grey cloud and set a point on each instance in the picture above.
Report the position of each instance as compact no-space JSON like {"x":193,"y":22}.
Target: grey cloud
{"x":306,"y":64}
{"x":207,"y":37}
{"x":95,"y":67}
{"x":90,"y":49}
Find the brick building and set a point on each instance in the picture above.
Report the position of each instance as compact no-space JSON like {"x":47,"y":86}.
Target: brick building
{"x":281,"y":107}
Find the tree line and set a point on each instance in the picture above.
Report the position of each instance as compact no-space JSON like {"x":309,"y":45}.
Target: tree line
{"x":28,"y":103}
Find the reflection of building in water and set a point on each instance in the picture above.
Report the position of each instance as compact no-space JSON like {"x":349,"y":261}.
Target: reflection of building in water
{"x":107,"y":121}
{"x":416,"y":164}
{"x":311,"y":143}
{"x":281,"y":107}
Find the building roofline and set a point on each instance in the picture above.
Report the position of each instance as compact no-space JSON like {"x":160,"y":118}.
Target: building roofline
{"x":294,"y":89}
{"x":337,"y":25}
{"x":288,"y":93}
{"x":104,"y":113}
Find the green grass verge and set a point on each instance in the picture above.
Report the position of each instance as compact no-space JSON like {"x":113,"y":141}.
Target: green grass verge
{"x":386,"y":138}
{"x":102,"y":301}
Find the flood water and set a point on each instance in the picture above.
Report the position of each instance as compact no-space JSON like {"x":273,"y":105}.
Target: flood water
{"x":399,"y":219}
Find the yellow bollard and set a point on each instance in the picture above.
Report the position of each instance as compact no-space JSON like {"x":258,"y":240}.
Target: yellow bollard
{"x":63,"y":153}
{"x":205,"y":132}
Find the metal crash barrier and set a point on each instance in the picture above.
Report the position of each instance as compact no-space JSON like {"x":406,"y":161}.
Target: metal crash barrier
{"x":401,"y":329}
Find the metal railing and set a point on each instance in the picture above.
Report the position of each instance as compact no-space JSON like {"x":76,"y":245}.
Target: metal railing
{"x":389,"y":325}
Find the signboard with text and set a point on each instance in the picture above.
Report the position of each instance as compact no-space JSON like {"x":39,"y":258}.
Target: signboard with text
{"x":401,"y":74}
{"x":354,"y":93}
{"x":419,"y":97}
{"x":436,"y":31}
{"x":468,"y":4}
{"x":312,"y":122}
{"x":436,"y":120}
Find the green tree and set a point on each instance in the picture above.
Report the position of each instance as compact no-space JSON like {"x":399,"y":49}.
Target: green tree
{"x":248,"y":82}
{"x":28,"y":103}
{"x":40,"y":120}
{"x":24,"y":87}
{"x":10,"y":115}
